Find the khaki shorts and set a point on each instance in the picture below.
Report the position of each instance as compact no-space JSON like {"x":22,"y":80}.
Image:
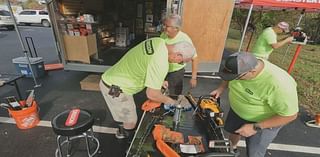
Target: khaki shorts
{"x":122,"y":108}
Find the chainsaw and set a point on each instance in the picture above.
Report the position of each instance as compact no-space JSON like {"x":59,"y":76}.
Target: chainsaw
{"x":299,"y":37}
{"x":208,"y":110}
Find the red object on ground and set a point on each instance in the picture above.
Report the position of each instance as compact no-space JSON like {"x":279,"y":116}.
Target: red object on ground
{"x":317,"y":118}
{"x":56,"y":66}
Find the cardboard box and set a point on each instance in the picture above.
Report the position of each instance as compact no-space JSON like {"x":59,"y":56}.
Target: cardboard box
{"x":91,"y":83}
{"x":80,"y":48}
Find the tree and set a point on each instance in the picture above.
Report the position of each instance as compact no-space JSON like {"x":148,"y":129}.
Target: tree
{"x":32,"y":4}
{"x":258,"y":20}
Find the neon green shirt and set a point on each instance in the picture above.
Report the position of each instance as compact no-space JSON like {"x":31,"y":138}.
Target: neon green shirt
{"x":145,"y":65}
{"x":272,"y":92}
{"x":178,"y":38}
{"x":263,"y":47}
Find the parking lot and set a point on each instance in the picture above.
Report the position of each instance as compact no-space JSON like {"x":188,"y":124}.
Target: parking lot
{"x":60,"y":90}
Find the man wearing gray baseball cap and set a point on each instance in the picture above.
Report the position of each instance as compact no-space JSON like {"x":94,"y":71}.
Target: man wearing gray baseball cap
{"x":263,"y":98}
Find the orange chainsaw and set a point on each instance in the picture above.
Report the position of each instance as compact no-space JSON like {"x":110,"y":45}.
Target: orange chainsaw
{"x":210,"y":114}
{"x":207,"y":108}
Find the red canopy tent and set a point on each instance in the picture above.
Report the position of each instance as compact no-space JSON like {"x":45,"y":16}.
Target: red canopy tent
{"x":308,"y":5}
{"x":305,"y":4}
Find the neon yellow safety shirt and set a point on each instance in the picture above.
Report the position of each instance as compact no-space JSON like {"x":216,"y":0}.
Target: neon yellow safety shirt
{"x":272,"y":92}
{"x":145,"y":65}
{"x":178,"y":38}
{"x":263,"y":47}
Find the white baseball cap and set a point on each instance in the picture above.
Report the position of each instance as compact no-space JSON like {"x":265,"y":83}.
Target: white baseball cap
{"x":284,"y":26}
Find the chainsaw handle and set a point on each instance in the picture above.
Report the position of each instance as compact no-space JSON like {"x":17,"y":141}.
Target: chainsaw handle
{"x":149,"y":105}
{"x":166,"y":150}
{"x":209,"y":97}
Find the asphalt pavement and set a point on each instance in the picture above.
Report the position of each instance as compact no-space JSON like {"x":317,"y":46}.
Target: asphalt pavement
{"x":60,"y":90}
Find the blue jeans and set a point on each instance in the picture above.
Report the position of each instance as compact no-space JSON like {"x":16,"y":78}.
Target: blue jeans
{"x":258,"y":143}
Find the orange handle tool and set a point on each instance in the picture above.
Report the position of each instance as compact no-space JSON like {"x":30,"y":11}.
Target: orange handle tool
{"x":165,"y":149}
{"x":149,"y":105}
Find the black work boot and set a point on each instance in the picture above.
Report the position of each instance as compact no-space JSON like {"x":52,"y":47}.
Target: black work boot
{"x":121,"y":133}
{"x":236,"y":152}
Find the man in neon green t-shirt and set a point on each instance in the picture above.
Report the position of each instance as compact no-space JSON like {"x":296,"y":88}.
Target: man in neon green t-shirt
{"x":267,"y":40}
{"x":262,"y":97}
{"x":144,"y":66}
{"x":172,"y":34}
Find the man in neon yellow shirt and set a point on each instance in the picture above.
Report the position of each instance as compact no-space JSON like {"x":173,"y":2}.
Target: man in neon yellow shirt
{"x":172,"y":34}
{"x":267,"y":40}
{"x":262,"y":97}
{"x":144,"y":66}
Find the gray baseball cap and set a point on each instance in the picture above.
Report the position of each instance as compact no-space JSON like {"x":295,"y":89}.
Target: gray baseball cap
{"x":236,"y":64}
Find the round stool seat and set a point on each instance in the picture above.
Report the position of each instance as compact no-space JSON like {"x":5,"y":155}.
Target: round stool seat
{"x":85,"y":122}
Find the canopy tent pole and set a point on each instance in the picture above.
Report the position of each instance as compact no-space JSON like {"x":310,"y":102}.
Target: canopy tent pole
{"x":253,"y":31}
{"x":245,"y":27}
{"x":22,"y":45}
{"x":300,"y":18}
{"x":250,"y":39}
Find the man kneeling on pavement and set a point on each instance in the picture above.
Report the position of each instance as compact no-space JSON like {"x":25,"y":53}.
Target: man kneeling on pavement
{"x":144,"y":66}
{"x":262,"y":97}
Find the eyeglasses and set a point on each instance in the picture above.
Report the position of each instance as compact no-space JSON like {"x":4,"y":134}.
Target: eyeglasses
{"x":165,"y":26}
{"x":241,"y":75}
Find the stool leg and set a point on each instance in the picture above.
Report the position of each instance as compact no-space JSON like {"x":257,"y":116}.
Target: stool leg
{"x":94,"y":140}
{"x":87,"y":142}
{"x":68,"y":147}
{"x":59,"y":147}
{"x":92,"y":134}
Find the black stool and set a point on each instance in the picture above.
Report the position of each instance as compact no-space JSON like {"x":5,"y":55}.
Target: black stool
{"x":83,"y":128}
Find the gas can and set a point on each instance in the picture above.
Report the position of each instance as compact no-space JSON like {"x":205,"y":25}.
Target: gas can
{"x":317,"y":118}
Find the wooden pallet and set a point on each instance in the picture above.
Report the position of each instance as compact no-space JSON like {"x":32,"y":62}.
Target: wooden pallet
{"x":91,"y":83}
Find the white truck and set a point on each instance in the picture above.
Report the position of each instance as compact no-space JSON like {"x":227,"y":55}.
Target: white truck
{"x":28,"y":17}
{"x":6,"y":20}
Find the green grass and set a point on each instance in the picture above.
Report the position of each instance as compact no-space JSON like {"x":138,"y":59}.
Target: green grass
{"x":306,"y":70}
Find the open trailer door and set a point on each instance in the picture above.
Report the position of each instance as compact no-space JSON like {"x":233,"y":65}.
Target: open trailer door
{"x":93,"y":35}
{"x":207,"y":23}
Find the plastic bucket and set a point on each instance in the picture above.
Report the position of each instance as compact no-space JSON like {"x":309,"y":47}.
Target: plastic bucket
{"x":26,"y":118}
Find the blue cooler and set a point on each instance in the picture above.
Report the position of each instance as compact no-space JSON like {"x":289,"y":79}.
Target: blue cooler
{"x":22,"y":67}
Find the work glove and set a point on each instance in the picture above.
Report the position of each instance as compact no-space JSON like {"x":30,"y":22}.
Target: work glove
{"x":168,"y":107}
{"x":183,"y":102}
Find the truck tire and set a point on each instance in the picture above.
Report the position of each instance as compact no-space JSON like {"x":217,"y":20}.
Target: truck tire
{"x":45,"y":23}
